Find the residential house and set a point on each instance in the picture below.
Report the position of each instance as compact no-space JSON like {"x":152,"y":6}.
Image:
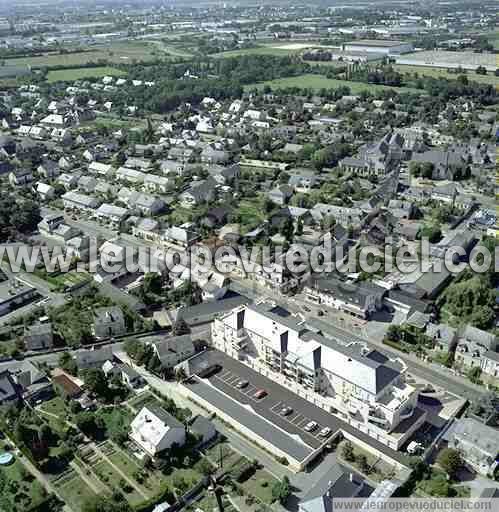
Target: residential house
{"x":20,"y":177}
{"x":477,"y":443}
{"x":213,"y":156}
{"x":154,"y":430}
{"x":38,"y":337}
{"x":172,"y":350}
{"x":199,"y":192}
{"x":104,"y":170}
{"x":157,"y":184}
{"x":360,"y":300}
{"x":180,"y":236}
{"x":94,"y":358}
{"x":149,"y":205}
{"x":77,"y":201}
{"x":281,"y":194}
{"x":224,"y":175}
{"x":68,"y":181}
{"x":302,"y":181}
{"x":45,"y":191}
{"x":111,"y":213}
{"x":472,"y":345}
{"x":340,"y":485}
{"x":130,"y":175}
{"x":215,"y":217}
{"x":109,"y":322}
{"x":87,"y":184}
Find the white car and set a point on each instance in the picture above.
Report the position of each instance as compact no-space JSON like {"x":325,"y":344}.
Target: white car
{"x":325,"y":432}
{"x":311,"y":425}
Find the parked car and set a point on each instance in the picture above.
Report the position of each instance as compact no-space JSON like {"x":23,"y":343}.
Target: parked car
{"x":311,"y":426}
{"x":259,"y":394}
{"x":242,"y":384}
{"x":286,"y":411}
{"x":209,"y":371}
{"x":325,"y":432}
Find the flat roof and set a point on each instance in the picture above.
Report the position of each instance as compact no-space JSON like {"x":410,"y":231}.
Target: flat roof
{"x":375,"y":42}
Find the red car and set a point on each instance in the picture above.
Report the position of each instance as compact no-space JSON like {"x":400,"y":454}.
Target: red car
{"x":259,"y":394}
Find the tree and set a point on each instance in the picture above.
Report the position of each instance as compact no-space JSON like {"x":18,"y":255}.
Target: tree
{"x":481,"y":70}
{"x":89,"y":424}
{"x":68,"y":364}
{"x":347,"y":452}
{"x":474,"y":374}
{"x":180,"y":375}
{"x":96,"y":382}
{"x":450,"y":461}
{"x":281,"y":490}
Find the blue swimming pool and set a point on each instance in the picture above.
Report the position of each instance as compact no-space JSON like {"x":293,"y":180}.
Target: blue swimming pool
{"x":6,"y":458}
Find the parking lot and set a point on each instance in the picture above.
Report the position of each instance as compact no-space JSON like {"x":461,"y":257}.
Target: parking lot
{"x":268,"y":408}
{"x":295,"y":419}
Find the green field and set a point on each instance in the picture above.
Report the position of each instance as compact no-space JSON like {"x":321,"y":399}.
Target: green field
{"x":124,"y":53}
{"x":75,"y":492}
{"x":489,"y":78}
{"x":80,"y":73}
{"x":317,"y":82}
{"x":494,"y":39}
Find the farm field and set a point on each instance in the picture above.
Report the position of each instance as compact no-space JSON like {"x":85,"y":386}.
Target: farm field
{"x":118,"y":53}
{"x":81,"y":73}
{"x":489,"y":78}
{"x":279,"y":50}
{"x":316,"y":82}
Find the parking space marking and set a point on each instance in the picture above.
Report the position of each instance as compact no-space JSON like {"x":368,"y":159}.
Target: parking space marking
{"x":277,"y":406}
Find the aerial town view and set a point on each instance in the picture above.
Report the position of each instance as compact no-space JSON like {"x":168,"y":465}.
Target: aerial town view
{"x":249,"y":255}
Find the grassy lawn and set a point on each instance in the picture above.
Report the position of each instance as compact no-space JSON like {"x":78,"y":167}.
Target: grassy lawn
{"x":116,"y":417}
{"x":144,"y":399}
{"x":153,"y":480}
{"x":489,"y":78}
{"x":494,"y":39}
{"x":80,"y":73}
{"x":76,"y":493}
{"x":317,"y":82}
{"x":54,"y":406}
{"x":251,"y":212}
{"x":379,"y":470}
{"x":22,"y":490}
{"x":260,"y":486}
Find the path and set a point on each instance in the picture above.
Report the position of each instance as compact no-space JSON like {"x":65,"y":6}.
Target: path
{"x":31,"y":468}
{"x":118,"y":470}
{"x":97,"y":489}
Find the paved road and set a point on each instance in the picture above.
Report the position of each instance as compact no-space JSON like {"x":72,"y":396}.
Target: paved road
{"x":434,"y":374}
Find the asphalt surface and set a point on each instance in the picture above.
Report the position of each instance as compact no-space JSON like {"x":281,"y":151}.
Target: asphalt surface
{"x":278,"y":396}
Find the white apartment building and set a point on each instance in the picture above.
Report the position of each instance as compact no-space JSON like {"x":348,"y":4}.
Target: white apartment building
{"x":361,"y":386}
